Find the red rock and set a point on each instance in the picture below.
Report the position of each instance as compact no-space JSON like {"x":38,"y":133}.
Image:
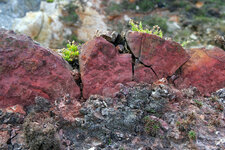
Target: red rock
{"x":205,"y":70}
{"x":69,"y":111}
{"x":144,"y":74}
{"x":16,"y":109}
{"x":162,"y":81}
{"x":134,"y":40}
{"x":163,"y":56}
{"x":28,"y":70}
{"x":102,"y":68}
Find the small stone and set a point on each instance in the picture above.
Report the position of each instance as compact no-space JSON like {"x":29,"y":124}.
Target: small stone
{"x":16,"y":109}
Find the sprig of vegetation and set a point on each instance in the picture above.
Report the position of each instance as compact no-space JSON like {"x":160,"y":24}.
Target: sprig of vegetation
{"x":192,"y":135}
{"x":71,"y":52}
{"x":152,"y":127}
{"x":139,"y":28}
{"x":50,"y":1}
{"x":198,"y":103}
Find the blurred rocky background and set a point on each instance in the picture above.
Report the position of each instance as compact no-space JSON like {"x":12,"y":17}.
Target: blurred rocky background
{"x":192,"y":23}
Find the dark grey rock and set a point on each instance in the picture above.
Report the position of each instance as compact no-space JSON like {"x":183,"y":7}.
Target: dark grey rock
{"x":221,"y":93}
{"x":41,"y":105}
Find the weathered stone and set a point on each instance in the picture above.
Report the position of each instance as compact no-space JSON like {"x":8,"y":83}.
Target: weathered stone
{"x":164,"y":56}
{"x":40,"y":129}
{"x":205,"y":70}
{"x":11,"y":9}
{"x":91,"y":20}
{"x":134,"y":40}
{"x":144,"y":74}
{"x":67,"y":109}
{"x":28,"y":70}
{"x":102,"y":68}
{"x":4,"y":137}
{"x":16,"y":109}
{"x":45,"y":25}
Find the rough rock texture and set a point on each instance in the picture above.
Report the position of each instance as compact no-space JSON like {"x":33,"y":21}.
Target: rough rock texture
{"x":145,"y":117}
{"x":163,"y":56}
{"x":28,"y":70}
{"x":4,"y":136}
{"x":102,"y":68}
{"x":10,"y":9}
{"x":45,"y":25}
{"x":38,"y":137}
{"x":144,"y":74}
{"x":205,"y":70}
{"x":92,"y":20}
{"x":141,"y":117}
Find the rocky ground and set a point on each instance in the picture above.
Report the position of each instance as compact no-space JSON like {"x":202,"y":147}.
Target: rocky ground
{"x":126,"y":90}
{"x":142,"y":117}
{"x":118,"y":99}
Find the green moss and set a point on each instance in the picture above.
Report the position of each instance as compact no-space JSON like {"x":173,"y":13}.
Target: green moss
{"x":39,"y":132}
{"x":204,"y":19}
{"x":125,"y":5}
{"x":198,"y":103}
{"x":115,"y":8}
{"x":71,"y":52}
{"x":152,"y":127}
{"x":139,"y":28}
{"x":50,"y":1}
{"x":153,"y":20}
{"x":71,"y":15}
{"x":192,"y":135}
{"x":146,"y":5}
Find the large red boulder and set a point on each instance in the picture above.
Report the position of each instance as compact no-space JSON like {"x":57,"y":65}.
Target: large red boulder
{"x":205,"y":70}
{"x":102,"y":68}
{"x":28,"y":70}
{"x":164,"y":57}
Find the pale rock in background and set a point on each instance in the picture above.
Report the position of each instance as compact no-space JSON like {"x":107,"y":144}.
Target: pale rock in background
{"x":43,"y":26}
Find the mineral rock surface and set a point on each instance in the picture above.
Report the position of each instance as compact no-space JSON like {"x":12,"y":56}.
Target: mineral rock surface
{"x":163,"y":56}
{"x":28,"y":70}
{"x":205,"y":70}
{"x":102,"y":68}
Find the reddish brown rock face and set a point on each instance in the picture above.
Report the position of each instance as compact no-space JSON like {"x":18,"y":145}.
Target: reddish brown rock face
{"x":144,"y":74}
{"x":28,"y":70}
{"x":163,"y":56}
{"x":205,"y":70}
{"x":102,"y":68}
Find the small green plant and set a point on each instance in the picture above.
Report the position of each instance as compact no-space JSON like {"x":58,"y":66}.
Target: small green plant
{"x":192,"y":135}
{"x":50,"y":1}
{"x":139,"y":28}
{"x":178,"y":123}
{"x":150,"y":21}
{"x":71,"y":52}
{"x":184,"y":43}
{"x":70,"y":16}
{"x":198,"y":103}
{"x":110,"y":141}
{"x":152,"y":127}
